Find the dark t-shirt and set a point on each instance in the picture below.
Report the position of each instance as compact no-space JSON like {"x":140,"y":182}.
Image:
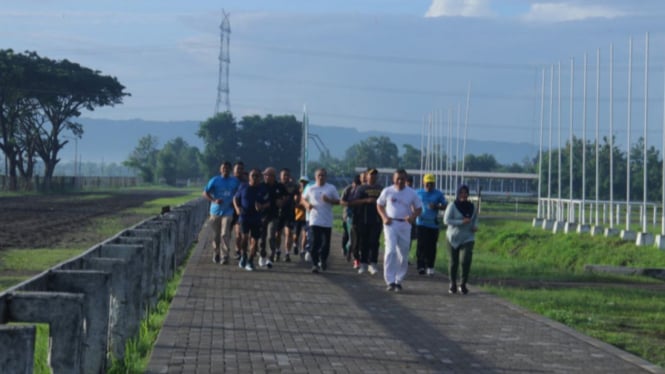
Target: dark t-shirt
{"x":248,"y":196}
{"x":289,"y":202}
{"x":347,"y":195}
{"x":366,"y":213}
{"x":273,"y":192}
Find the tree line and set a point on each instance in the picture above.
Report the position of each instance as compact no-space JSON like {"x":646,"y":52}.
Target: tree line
{"x":39,"y":98}
{"x":619,"y":181}
{"x":275,"y":141}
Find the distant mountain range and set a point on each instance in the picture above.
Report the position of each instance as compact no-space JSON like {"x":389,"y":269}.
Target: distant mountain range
{"x":113,"y":140}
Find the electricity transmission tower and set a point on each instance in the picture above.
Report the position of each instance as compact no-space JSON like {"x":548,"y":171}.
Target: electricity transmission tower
{"x":224,"y":62}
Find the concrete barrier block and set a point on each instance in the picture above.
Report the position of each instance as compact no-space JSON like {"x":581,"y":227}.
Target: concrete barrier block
{"x":148,"y":281}
{"x":96,"y":286}
{"x":124,"y":316}
{"x":644,"y":238}
{"x":64,"y":314}
{"x":558,"y":227}
{"x":628,"y":235}
{"x":159,"y":262}
{"x":18,"y":349}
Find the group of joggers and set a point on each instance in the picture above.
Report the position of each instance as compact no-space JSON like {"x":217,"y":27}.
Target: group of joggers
{"x":274,"y":216}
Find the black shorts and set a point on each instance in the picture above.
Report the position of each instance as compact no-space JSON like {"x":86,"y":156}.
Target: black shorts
{"x":254,"y":229}
{"x":234,"y":220}
{"x":286,"y":220}
{"x":298,"y":226}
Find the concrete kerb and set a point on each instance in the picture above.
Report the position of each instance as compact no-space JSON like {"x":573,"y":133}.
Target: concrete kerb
{"x":18,"y":342}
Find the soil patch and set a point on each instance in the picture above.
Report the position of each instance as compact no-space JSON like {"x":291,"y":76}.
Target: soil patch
{"x":51,"y":221}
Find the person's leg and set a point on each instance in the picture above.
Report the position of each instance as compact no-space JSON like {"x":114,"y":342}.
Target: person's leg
{"x":453,"y":264}
{"x":421,"y":245}
{"x":389,"y":255}
{"x":226,"y":238}
{"x":216,"y":225}
{"x":363,"y":243}
{"x":432,"y":236}
{"x":346,"y":237}
{"x":325,"y":246}
{"x":316,"y":242}
{"x":374,"y":247}
{"x":403,"y":244}
{"x":467,"y":257}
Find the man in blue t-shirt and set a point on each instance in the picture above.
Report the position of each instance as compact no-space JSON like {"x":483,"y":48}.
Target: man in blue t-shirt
{"x":219,"y":191}
{"x":428,"y":224}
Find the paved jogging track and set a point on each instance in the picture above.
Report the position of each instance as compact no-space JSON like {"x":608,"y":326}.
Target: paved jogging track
{"x":288,"y":320}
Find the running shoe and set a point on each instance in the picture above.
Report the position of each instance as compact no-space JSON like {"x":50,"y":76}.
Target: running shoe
{"x":373,"y":269}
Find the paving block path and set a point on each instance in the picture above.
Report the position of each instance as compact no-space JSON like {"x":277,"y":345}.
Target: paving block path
{"x":224,"y":319}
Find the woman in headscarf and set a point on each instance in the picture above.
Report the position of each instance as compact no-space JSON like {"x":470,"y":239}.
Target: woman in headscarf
{"x":461,"y":219}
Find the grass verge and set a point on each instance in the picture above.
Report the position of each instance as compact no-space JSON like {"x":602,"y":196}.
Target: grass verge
{"x":138,"y":349}
{"x":544,"y":273}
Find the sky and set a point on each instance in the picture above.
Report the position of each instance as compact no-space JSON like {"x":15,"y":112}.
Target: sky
{"x":384,"y":65}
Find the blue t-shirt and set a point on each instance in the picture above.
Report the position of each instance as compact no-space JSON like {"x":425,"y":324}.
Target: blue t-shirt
{"x":247,"y":197}
{"x":430,"y":217}
{"x":224,"y":189}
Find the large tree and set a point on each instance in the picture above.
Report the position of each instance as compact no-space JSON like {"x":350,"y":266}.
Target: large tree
{"x":178,"y":161}
{"x":67,"y":89}
{"x":144,"y":158}
{"x":375,"y":151}
{"x":39,"y":97}
{"x":220,"y":139}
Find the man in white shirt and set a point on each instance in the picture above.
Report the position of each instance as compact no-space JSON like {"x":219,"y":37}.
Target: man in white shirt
{"x":318,"y":199}
{"x":398,"y":206}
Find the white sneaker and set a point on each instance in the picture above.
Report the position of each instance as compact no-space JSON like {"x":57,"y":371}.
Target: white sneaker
{"x":430,"y":272}
{"x":362,"y":268}
{"x":269,"y":264}
{"x":308,"y":257}
{"x":373,"y":269}
{"x":262,"y":261}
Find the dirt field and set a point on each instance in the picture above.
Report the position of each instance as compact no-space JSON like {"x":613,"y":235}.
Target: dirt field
{"x":53,"y":220}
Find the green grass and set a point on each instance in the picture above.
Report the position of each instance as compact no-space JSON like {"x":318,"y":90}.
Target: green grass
{"x":138,"y":349}
{"x":627,"y":312}
{"x":34,"y":259}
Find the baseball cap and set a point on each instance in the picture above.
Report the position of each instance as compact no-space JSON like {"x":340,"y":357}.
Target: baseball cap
{"x":303,"y":179}
{"x":429,"y":178}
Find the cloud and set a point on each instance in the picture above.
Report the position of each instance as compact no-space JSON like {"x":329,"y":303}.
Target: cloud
{"x":564,"y":12}
{"x":459,"y":8}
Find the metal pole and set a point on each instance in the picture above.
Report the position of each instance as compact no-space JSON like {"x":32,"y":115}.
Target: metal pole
{"x":540,"y":147}
{"x":611,"y":210}
{"x":571,"y":213}
{"x":584,"y":92}
{"x":597,"y":129}
{"x":629,"y":129}
{"x":559,"y":204}
{"x":645,"y":167}
{"x":466,"y":126}
{"x":549,"y":148}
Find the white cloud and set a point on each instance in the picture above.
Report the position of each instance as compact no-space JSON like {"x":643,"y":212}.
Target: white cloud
{"x":459,"y":8}
{"x":563,"y":12}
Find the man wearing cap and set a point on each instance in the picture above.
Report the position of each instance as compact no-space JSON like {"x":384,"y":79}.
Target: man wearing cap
{"x":275,"y":194}
{"x":368,"y":222}
{"x":428,"y":224}
{"x":398,"y":207}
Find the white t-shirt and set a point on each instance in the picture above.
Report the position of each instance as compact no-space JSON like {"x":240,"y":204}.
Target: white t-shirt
{"x":398,"y":203}
{"x":321,"y":213}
